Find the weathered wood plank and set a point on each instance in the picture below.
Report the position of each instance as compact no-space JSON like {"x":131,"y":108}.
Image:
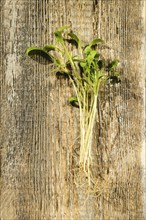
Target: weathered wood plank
{"x":39,"y":129}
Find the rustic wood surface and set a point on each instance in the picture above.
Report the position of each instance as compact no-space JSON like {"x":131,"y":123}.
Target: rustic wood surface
{"x":39,"y":129}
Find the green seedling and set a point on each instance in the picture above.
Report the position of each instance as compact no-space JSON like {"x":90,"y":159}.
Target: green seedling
{"x":87,"y":72}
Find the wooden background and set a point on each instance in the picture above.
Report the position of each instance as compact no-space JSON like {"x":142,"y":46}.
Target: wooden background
{"x":39,"y":129}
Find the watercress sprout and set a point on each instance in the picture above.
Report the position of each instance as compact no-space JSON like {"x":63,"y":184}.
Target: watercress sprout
{"x":87,"y":71}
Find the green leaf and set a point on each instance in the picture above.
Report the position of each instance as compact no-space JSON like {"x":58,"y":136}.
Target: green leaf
{"x":87,"y":49}
{"x":73,"y":101}
{"x":75,"y":38}
{"x":32,"y":51}
{"x":113,"y":64}
{"x":91,"y":56}
{"x":97,"y":56}
{"x":83,"y":64}
{"x":49,"y":47}
{"x":73,"y":42}
{"x":61,"y":29}
{"x":95,"y":42}
{"x":58,"y":35}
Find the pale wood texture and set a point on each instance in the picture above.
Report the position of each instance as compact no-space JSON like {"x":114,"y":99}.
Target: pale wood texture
{"x":39,"y":129}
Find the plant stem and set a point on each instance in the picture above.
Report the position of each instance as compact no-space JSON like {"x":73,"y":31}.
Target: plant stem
{"x":86,"y":128}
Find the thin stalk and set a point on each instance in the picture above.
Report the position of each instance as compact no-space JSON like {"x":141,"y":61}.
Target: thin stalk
{"x":85,"y":150}
{"x":70,"y":58}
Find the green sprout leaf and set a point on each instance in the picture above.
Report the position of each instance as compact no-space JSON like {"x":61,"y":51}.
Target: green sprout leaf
{"x":59,"y":37}
{"x":87,"y":49}
{"x":49,"y":47}
{"x":96,"y":41}
{"x":33,"y":51}
{"x":83,"y":64}
{"x":74,"y":38}
{"x":91,"y":56}
{"x":58,"y":34}
{"x":73,"y":101}
{"x":113,"y":64}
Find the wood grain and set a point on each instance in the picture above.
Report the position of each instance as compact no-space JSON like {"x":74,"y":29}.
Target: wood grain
{"x":39,"y":129}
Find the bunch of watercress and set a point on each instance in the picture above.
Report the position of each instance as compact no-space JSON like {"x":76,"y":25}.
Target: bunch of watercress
{"x":87,"y":71}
